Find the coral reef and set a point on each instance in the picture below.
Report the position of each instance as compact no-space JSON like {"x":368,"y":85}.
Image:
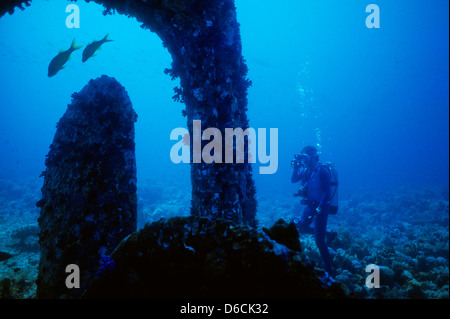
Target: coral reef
{"x":18,"y":237}
{"x":89,"y":198}
{"x":405,"y":233}
{"x":25,"y":238}
{"x":413,"y":260}
{"x":200,"y":257}
{"x":158,"y":198}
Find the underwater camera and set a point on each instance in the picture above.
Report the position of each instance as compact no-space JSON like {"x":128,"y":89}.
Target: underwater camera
{"x":295,"y":163}
{"x":298,"y":160}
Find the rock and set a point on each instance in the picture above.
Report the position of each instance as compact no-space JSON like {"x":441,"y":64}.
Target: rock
{"x":414,"y":290}
{"x":199,"y":257}
{"x":89,"y":195}
{"x":386,"y":276}
{"x":421,"y":263}
{"x":345,"y":277}
{"x":344,"y":260}
{"x":4,"y":255}
{"x":285,"y":234}
{"x":5,"y":288}
{"x":25,"y":238}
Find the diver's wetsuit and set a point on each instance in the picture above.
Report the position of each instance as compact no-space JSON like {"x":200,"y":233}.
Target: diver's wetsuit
{"x":318,"y":181}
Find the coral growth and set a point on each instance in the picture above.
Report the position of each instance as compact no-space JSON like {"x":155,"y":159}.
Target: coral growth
{"x":410,"y":248}
{"x":405,"y":233}
{"x":89,"y":198}
{"x":25,"y":238}
{"x":199,"y":257}
{"x":10,"y":5}
{"x":18,"y":237}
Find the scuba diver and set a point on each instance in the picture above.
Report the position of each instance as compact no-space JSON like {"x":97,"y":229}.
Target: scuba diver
{"x":318,"y":185}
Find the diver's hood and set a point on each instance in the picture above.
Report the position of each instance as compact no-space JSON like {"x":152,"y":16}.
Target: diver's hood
{"x":304,"y":157}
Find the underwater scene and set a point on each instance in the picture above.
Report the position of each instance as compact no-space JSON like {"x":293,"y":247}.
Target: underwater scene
{"x":224,"y":149}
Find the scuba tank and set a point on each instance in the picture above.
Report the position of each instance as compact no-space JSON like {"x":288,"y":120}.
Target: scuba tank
{"x":333,"y":201}
{"x":334,"y":198}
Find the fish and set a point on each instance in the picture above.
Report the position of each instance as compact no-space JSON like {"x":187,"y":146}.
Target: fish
{"x":57,"y":63}
{"x":92,"y":47}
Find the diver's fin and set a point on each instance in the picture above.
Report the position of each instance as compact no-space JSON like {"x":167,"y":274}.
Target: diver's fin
{"x":60,"y":51}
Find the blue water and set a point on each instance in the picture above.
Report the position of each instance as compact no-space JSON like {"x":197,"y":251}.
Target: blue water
{"x":376,"y":100}
{"x":373,"y":101}
{"x":379,"y":97}
{"x":33,"y":103}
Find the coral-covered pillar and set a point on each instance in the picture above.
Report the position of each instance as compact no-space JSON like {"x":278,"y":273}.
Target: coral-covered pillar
{"x":205,"y":44}
{"x":208,"y":60}
{"x":88,"y":200}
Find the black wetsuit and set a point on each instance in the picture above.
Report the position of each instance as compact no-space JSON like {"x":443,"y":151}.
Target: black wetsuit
{"x":318,"y":183}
